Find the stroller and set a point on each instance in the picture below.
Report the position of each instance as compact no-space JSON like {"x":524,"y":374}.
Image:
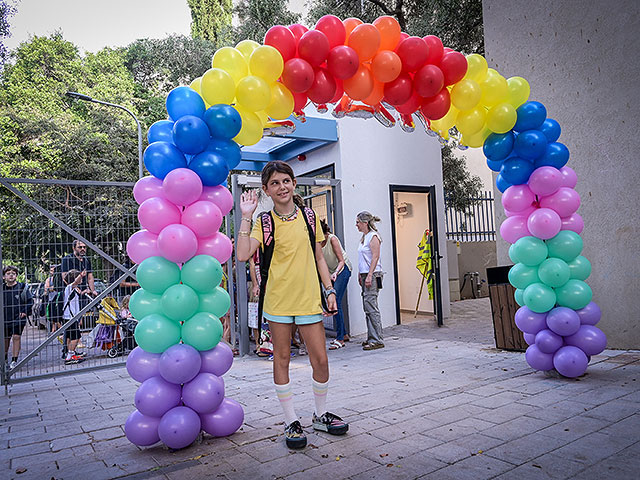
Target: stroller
{"x":114,"y":333}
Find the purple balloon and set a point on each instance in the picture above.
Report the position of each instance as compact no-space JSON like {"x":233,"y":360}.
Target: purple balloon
{"x":529,"y":321}
{"x":142,"y":365}
{"x":227,"y":419}
{"x":548,"y":342}
{"x":544,"y":223}
{"x":545,"y":181}
{"x":530,"y":338}
{"x":156,"y":396}
{"x":563,"y":321}
{"x":564,"y":202}
{"x":179,"y":427}
{"x":569,"y":177}
{"x":218,"y":360}
{"x":591,"y":340}
{"x":142,"y":430}
{"x":570,"y":361}
{"x":589,"y":315}
{"x":538,"y":360}
{"x":179,"y":363}
{"x":204,"y":393}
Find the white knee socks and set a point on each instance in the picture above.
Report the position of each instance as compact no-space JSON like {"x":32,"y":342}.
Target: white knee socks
{"x":320,"y":396}
{"x":285,"y":395}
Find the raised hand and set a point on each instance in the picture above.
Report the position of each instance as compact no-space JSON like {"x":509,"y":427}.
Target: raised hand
{"x":248,"y":203}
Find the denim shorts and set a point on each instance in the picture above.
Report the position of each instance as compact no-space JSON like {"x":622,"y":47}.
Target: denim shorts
{"x":297,"y":319}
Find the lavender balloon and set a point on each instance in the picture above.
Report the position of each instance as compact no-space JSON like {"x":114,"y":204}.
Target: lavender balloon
{"x":142,"y":365}
{"x":529,"y":321}
{"x":218,"y":360}
{"x":589,"y":315}
{"x":156,"y":396}
{"x":548,"y":342}
{"x":537,"y":359}
{"x":179,"y":363}
{"x":226,"y":420}
{"x":530,"y":338}
{"x":179,"y":427}
{"x":570,"y":361}
{"x":591,"y":340}
{"x":204,"y":393}
{"x":142,"y":430}
{"x":563,"y":321}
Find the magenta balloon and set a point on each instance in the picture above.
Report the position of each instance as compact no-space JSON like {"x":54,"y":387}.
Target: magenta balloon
{"x":218,"y":246}
{"x":204,"y":393}
{"x":537,"y":359}
{"x":220,"y":195}
{"x":545,"y":181}
{"x":177,"y":243}
{"x":182,"y":186}
{"x":530,"y":338}
{"x":179,"y":363}
{"x":517,"y":198}
{"x":179,"y":427}
{"x":142,"y":430}
{"x":569,"y":177}
{"x":514,"y":228}
{"x":548,"y":341}
{"x":142,"y":245}
{"x":529,"y":321}
{"x":155,"y":213}
{"x":524,"y":213}
{"x":203,"y":218}
{"x":142,"y":365}
{"x":590,"y":315}
{"x":564,"y":202}
{"x":227,"y":419}
{"x":544,"y":223}
{"x":563,"y":321}
{"x":591,"y":340}
{"x":156,"y":396}
{"x":570,"y":361}
{"x":147,"y":187}
{"x":218,"y":360}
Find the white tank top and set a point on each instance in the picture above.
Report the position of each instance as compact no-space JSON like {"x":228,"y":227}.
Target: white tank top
{"x":365,"y":255}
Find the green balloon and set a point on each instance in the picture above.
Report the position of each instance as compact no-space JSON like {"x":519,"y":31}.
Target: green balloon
{"x":179,"y":302}
{"x":203,"y":331}
{"x":156,"y":274}
{"x":539,"y":297}
{"x":566,"y":245}
{"x":574,"y":294}
{"x":512,"y":254}
{"x":216,"y":302}
{"x":155,"y":333}
{"x":521,"y":276}
{"x":203,"y":273}
{"x":580,"y":268}
{"x":143,"y":303}
{"x":554,"y":272}
{"x":518,"y":295}
{"x":529,"y":250}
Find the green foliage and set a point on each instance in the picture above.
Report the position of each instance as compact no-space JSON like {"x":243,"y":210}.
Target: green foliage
{"x":210,"y":19}
{"x":460,"y":186}
{"x":255,"y":17}
{"x":7,"y":9}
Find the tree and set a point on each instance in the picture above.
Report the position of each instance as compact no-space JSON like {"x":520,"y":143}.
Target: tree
{"x":6,"y":10}
{"x":255,"y":17}
{"x":210,"y":19}
{"x":460,"y":187}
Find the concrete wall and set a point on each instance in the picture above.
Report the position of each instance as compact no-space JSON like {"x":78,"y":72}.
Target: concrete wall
{"x":581,"y":60}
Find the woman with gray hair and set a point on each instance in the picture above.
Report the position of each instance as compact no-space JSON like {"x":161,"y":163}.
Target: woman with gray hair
{"x":370,"y":277}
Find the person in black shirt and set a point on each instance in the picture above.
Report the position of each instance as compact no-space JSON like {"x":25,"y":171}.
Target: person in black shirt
{"x":17,"y":305}
{"x":79,"y":261}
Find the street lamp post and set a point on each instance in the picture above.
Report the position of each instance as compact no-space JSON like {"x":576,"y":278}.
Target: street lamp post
{"x":87,"y":98}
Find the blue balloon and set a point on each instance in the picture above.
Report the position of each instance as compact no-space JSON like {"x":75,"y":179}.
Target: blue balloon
{"x":223,"y":121}
{"x":183,"y":101}
{"x":494,"y":165}
{"x":516,"y":170}
{"x":501,"y":183}
{"x":229,"y":149}
{"x":498,"y":146}
{"x":556,"y":155}
{"x":551,"y":130}
{"x":161,"y":131}
{"x":531,"y":115}
{"x":162,"y":157}
{"x":191,"y":134}
{"x":211,"y":167}
{"x":530,"y":144}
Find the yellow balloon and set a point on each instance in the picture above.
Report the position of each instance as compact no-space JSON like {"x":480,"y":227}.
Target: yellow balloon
{"x":195,"y":84}
{"x":471,"y":121}
{"x":501,"y":118}
{"x":231,"y":61}
{"x":449,"y":120}
{"x":494,"y":90}
{"x":246,"y":47}
{"x":518,"y":91}
{"x":466,"y":94}
{"x":263,"y":117}
{"x":476,"y":67}
{"x":477,"y":139}
{"x":253,"y":93}
{"x":266,"y":62}
{"x":251,"y":131}
{"x":217,"y":86}
{"x":282,"y":102}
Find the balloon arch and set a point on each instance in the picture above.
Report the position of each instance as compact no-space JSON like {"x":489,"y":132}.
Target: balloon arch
{"x":364,"y":70}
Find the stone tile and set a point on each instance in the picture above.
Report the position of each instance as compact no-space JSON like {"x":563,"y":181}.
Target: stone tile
{"x":546,"y":467}
{"x":477,"y":467}
{"x":68,"y":442}
{"x":516,"y":428}
{"x":525,"y":448}
{"x":614,"y":410}
{"x":592,"y":448}
{"x":346,"y":467}
{"x":506,"y":413}
{"x":461,"y":428}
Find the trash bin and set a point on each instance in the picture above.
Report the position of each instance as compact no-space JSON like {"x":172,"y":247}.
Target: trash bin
{"x":503,"y":310}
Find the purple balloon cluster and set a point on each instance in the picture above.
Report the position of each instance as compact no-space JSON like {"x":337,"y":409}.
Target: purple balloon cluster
{"x":182,"y":393}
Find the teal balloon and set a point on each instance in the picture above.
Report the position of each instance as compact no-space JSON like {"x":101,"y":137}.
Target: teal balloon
{"x":203,"y":331}
{"x":217,"y":302}
{"x":521,"y":276}
{"x":155,"y":333}
{"x":513,"y":255}
{"x":529,"y":250}
{"x":179,"y":302}
{"x":156,"y":274}
{"x":539,"y":297}
{"x":566,"y":245}
{"x":519,"y":296}
{"x":574,"y":294}
{"x":203,"y":273}
{"x":554,"y":272}
{"x":580,"y":268}
{"x":143,"y":303}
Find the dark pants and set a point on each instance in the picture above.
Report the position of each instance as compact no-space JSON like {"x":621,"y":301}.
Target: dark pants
{"x":341,"y":286}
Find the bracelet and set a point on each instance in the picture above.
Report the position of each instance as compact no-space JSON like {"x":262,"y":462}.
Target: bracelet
{"x":243,"y":234}
{"x":246,"y":220}
{"x":329,"y":291}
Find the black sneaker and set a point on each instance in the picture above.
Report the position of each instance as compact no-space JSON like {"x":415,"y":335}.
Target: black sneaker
{"x":295,"y":436}
{"x":330,"y":423}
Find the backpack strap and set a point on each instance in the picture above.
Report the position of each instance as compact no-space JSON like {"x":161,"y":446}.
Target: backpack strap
{"x":310,"y":220}
{"x":265,"y":257}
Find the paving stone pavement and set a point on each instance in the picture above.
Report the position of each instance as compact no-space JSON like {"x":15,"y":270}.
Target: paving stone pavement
{"x":436,"y":403}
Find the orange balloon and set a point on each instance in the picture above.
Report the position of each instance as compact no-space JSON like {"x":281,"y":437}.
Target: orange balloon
{"x":375,"y":97}
{"x":349,"y":25}
{"x":389,"y":29}
{"x":365,"y":40}
{"x":386,"y":66}
{"x":360,"y":85}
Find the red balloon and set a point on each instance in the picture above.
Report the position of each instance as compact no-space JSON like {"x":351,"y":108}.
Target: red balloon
{"x":299,"y":102}
{"x":314,"y":47}
{"x":403,"y":35}
{"x":298,"y":75}
{"x":298,"y":30}
{"x":399,"y":90}
{"x":436,"y":107}
{"x":428,"y":81}
{"x":343,"y":62}
{"x":411,"y":105}
{"x":333,"y":28}
{"x":413,"y":52}
{"x":453,"y":66}
{"x":282,"y":40}
{"x":436,"y":49}
{"x":323,"y":88}
{"x":339,"y":91}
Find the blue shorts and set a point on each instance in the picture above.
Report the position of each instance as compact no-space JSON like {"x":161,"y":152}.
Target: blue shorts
{"x":297,"y":319}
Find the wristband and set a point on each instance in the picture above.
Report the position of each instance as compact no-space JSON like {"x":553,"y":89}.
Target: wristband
{"x":243,"y":234}
{"x":329,"y":291}
{"x":246,"y":220}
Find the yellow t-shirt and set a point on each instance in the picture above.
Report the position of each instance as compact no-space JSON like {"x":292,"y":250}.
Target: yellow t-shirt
{"x":292,"y":286}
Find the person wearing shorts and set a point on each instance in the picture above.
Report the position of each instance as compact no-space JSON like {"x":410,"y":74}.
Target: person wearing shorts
{"x":71,"y":308}
{"x":17,"y":305}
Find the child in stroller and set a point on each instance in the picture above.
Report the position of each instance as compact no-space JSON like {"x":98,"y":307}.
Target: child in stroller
{"x":116,"y":327}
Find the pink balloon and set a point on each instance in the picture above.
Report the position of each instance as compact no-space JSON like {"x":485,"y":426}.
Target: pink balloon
{"x":565,"y":201}
{"x":147,"y":187}
{"x":544,"y":223}
{"x":155,"y":213}
{"x":569,"y":177}
{"x":524,"y":213}
{"x":220,"y":195}
{"x":177,"y":243}
{"x":573,"y":222}
{"x":141,"y":245}
{"x":517,"y":198}
{"x":217,"y":245}
{"x":514,"y":228}
{"x":182,"y":186}
{"x":203,"y":217}
{"x":545,"y":181}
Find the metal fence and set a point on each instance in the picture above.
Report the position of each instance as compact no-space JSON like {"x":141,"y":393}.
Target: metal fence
{"x":476,"y":224}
